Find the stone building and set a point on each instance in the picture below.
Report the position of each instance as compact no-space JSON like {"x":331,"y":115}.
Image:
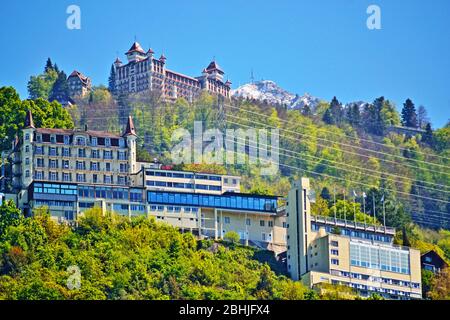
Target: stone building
{"x":145,"y":72}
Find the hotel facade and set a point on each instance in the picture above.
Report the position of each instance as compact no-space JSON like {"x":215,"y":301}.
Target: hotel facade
{"x":144,"y":72}
{"x":363,"y":257}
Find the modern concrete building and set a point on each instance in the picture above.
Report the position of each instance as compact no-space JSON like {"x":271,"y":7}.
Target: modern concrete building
{"x":145,"y":72}
{"x":327,"y":250}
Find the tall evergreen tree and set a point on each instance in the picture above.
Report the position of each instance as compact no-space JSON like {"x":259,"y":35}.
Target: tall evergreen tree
{"x":373,"y":118}
{"x":306,"y":111}
{"x":60,"y":89}
{"x":328,"y":117}
{"x":405,"y":238}
{"x":427,"y":137}
{"x":334,"y":114}
{"x":409,"y":115}
{"x":112,"y":80}
{"x":353,"y":115}
{"x":48,"y":65}
{"x":326,"y":195}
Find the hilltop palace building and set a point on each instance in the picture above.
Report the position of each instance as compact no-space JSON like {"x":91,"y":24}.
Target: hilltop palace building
{"x":144,"y":72}
{"x":70,"y":171}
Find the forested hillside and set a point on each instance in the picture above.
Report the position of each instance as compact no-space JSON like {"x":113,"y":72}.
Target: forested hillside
{"x":411,"y":170}
{"x":344,"y":148}
{"x":111,"y":257}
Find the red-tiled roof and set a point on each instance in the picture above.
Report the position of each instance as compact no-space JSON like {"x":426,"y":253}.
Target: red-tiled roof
{"x":29,"y":123}
{"x":136,"y":47}
{"x":181,"y":75}
{"x":130,"y":130}
{"x":79,"y":75}
{"x":214,"y":66}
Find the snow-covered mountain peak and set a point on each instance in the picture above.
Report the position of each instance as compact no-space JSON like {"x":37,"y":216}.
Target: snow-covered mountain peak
{"x":269,"y":91}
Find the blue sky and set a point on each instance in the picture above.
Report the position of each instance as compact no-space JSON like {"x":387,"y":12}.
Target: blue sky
{"x":322,"y":47}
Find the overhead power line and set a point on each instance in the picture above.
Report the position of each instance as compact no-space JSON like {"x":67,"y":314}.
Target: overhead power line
{"x":355,"y":182}
{"x":341,"y":150}
{"x":356,"y":167}
{"x":337,"y":142}
{"x":343,"y":135}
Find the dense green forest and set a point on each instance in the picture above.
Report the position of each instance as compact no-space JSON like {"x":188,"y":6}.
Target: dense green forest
{"x":113,"y":257}
{"x":121,"y":259}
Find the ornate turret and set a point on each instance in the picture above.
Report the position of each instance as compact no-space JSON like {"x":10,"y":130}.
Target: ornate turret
{"x":130,"y":129}
{"x":162,"y":58}
{"x":130,"y":135}
{"x":29,"y":123}
{"x":213,"y":66}
{"x":135,"y":53}
{"x":214,"y":71}
{"x":117,"y":63}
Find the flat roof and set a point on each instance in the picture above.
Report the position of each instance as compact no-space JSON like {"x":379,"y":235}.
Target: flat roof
{"x":186,"y":171}
{"x":353,"y":225}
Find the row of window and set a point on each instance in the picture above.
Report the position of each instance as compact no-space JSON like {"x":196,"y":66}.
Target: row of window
{"x":79,"y":165}
{"x":79,"y":141}
{"x":133,"y":195}
{"x":126,"y":207}
{"x":262,"y":223}
{"x":53,"y":203}
{"x":49,"y":188}
{"x":373,"y":289}
{"x":80,"y":153}
{"x":188,"y":175}
{"x":179,"y":185}
{"x":375,"y":257}
{"x":79,"y":177}
{"x":224,"y":201}
{"x":175,"y":209}
{"x":365,"y":277}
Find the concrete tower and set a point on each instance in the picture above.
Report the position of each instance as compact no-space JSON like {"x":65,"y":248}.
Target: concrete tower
{"x":130,"y":136}
{"x":27,"y":151}
{"x":299,"y":226}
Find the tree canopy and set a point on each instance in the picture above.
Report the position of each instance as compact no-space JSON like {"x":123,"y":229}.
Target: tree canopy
{"x":117,"y":258}
{"x":13,"y":112}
